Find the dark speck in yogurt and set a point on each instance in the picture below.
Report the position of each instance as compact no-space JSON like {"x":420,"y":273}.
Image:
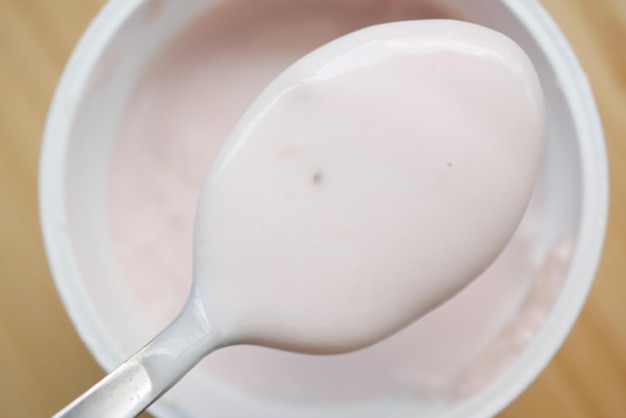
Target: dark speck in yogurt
{"x":317,"y":178}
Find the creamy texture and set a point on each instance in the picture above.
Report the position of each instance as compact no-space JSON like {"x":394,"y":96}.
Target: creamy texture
{"x":371,"y":181}
{"x":194,"y":92}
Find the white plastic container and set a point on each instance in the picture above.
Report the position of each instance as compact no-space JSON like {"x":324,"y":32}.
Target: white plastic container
{"x":83,"y":119}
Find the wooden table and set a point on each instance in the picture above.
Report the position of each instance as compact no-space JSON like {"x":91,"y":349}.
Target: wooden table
{"x":43,"y":364}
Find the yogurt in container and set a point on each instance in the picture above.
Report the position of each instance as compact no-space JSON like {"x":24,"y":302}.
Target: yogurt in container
{"x":147,"y":98}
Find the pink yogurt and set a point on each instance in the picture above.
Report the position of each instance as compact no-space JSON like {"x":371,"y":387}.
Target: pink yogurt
{"x":190,"y":98}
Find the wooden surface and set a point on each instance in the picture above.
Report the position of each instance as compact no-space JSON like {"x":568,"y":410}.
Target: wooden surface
{"x":43,"y":364}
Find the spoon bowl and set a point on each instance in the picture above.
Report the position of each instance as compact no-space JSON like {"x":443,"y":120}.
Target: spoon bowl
{"x":374,"y":200}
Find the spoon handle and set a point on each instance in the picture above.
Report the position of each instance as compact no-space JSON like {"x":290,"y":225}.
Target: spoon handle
{"x":144,"y":377}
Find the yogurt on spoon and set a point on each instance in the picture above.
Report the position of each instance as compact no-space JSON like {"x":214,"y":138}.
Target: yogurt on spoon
{"x":368,"y":184}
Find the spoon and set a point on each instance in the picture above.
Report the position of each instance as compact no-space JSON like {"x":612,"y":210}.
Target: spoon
{"x":368,"y":184}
